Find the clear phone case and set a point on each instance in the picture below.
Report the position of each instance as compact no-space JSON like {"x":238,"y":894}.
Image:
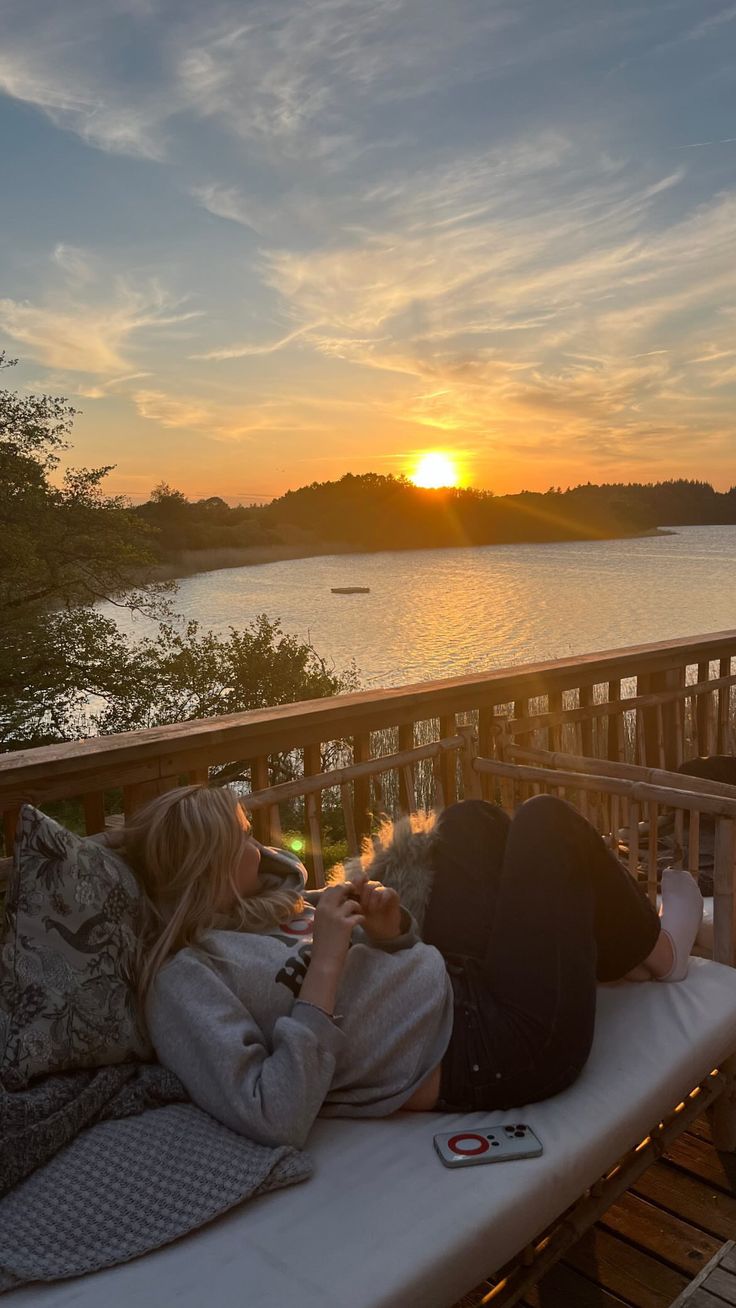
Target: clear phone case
{"x":492,"y":1144}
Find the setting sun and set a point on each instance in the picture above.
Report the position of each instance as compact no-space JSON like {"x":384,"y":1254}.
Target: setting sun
{"x":435,"y":470}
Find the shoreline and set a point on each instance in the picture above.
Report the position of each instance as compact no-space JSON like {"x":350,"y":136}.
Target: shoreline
{"x":192,"y":563}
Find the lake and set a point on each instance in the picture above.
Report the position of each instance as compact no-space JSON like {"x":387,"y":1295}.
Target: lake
{"x":443,"y":613}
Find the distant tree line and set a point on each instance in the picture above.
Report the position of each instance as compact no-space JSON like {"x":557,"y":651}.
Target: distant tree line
{"x":177,"y":523}
{"x":371,"y":511}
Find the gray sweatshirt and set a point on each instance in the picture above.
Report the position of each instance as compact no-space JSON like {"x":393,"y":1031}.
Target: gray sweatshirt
{"x":226,"y":1017}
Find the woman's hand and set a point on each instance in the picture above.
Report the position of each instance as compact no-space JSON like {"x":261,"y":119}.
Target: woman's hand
{"x":337,"y":913}
{"x":381,"y":908}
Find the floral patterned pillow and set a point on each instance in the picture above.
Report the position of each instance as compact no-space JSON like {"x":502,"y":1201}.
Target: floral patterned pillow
{"x":67,"y":956}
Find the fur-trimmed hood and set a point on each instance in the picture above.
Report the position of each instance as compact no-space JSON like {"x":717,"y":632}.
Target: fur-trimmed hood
{"x":400,"y":855}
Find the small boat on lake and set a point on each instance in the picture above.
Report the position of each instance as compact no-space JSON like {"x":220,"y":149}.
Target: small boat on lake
{"x":350,"y":590}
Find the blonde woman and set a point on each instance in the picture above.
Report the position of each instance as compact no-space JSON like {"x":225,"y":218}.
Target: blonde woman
{"x":274,"y":1005}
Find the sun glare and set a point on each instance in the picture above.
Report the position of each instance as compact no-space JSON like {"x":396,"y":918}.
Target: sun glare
{"x":435,"y":470}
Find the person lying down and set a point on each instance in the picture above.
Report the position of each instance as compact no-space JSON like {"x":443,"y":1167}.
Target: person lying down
{"x":275,"y":1005}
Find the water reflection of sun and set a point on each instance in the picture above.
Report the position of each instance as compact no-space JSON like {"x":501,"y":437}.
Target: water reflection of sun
{"x":435,"y":469}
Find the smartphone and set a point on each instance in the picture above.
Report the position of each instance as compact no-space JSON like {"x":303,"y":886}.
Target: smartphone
{"x":496,"y":1144}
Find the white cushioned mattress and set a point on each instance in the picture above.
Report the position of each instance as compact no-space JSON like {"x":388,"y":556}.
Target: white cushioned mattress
{"x":382,"y":1224}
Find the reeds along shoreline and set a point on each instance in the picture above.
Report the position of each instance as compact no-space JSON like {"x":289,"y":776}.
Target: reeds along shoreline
{"x":188,"y":563}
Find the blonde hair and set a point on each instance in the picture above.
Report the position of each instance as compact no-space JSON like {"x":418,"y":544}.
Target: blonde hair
{"x":185,"y":847}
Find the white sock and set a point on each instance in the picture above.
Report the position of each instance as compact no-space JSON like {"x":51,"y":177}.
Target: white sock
{"x":681,"y":914}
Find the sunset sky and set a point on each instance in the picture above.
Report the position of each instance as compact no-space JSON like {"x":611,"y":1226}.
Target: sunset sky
{"x":265,"y":243}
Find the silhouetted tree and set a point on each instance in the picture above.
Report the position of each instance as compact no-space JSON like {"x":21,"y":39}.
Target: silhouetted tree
{"x":67,"y":671}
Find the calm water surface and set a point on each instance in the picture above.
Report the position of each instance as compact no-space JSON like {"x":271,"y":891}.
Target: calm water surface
{"x":443,"y":613}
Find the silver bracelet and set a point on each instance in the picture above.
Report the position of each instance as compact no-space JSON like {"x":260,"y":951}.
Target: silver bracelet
{"x":334,"y":1017}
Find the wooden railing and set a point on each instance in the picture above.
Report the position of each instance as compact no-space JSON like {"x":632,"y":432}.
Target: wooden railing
{"x":604,"y":791}
{"x":659,"y":795}
{"x":649,"y":704}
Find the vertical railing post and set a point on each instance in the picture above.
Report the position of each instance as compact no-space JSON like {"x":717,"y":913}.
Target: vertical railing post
{"x":348,"y":811}
{"x":521,"y":710}
{"x":259,"y":780}
{"x":93,"y":806}
{"x":468,"y":753}
{"x":362,"y":787}
{"x":723,"y":739}
{"x":448,"y":762}
{"x":486,"y":745}
{"x":657,"y":722}
{"x":406,"y":792}
{"x":507,"y":787}
{"x":616,"y":753}
{"x":702,"y":713}
{"x":672,"y":720}
{"x":314,"y":828}
{"x":586,"y":726}
{"x":438,"y":800}
{"x":313,"y":813}
{"x":554,"y":736}
{"x":616,"y":744}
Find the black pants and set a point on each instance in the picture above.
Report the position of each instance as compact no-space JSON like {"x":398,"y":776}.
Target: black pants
{"x":529,"y":914}
{"x":714,"y":767}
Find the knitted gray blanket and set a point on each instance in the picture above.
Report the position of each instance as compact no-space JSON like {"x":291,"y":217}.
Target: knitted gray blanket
{"x":97,"y":1167}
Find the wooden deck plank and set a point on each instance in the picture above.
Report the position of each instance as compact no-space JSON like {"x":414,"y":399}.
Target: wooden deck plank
{"x":688,"y":1197}
{"x":702,"y":1299}
{"x":701,"y":1128}
{"x":636,"y":1277}
{"x":700,"y":1159}
{"x":565,"y":1288}
{"x":723,"y":1284}
{"x":665,"y":1236}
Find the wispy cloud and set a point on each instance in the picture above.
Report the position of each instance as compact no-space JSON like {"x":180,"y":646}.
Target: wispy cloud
{"x":248,"y":351}
{"x":54,"y":77}
{"x":299,"y":76}
{"x":295,"y":77}
{"x":697,"y":145}
{"x":101,"y":390}
{"x":89,"y":324}
{"x":221,"y":421}
{"x":707,"y":26}
{"x":229,"y":202}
